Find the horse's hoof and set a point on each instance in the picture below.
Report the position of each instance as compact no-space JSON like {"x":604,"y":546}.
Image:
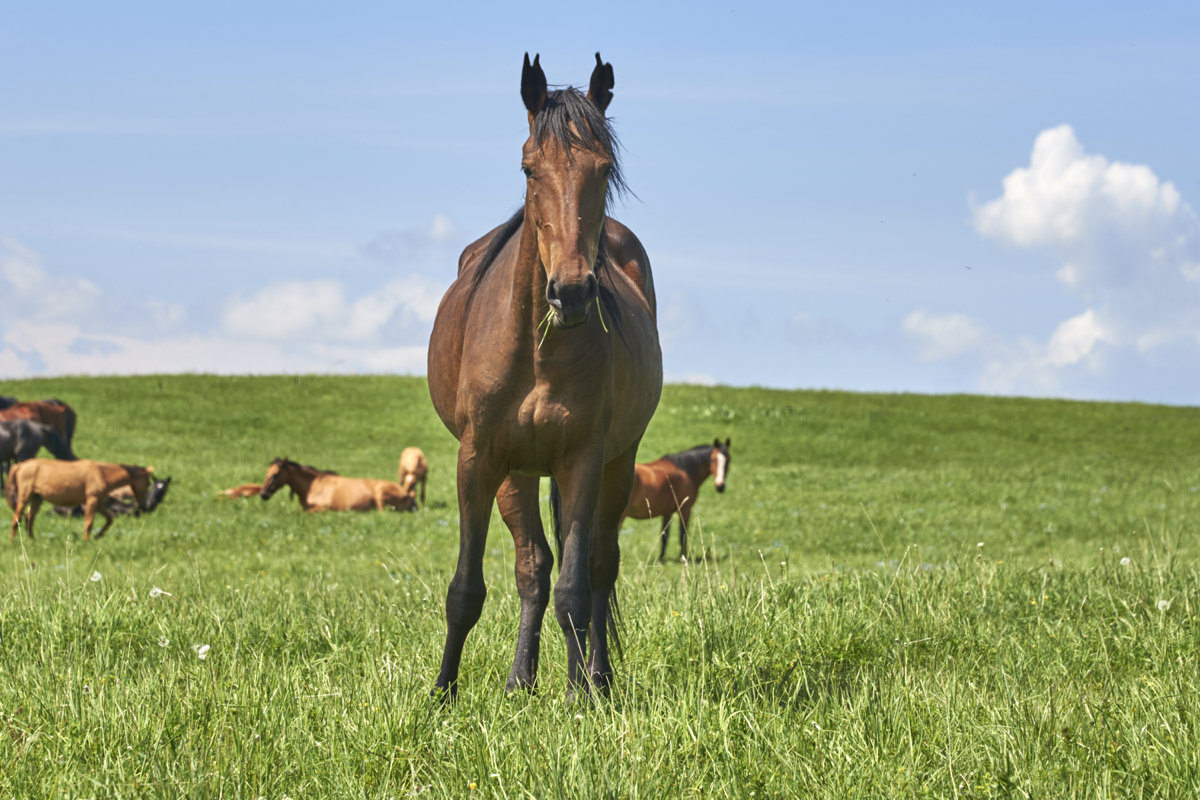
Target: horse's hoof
{"x":444,"y":694}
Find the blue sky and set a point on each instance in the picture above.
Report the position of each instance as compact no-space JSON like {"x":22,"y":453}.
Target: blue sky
{"x":875,"y":197}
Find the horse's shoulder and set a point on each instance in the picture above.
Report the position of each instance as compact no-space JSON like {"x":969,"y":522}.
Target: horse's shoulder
{"x":474,"y":252}
{"x":627,"y":252}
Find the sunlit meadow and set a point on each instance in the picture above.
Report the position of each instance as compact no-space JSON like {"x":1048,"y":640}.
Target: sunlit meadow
{"x":898,"y":596}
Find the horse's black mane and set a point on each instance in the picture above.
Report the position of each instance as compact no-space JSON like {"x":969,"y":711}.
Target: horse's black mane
{"x":689,"y":458}
{"x":571,"y":119}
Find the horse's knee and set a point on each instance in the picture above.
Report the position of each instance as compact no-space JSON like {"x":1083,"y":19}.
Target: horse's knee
{"x":464,"y":601}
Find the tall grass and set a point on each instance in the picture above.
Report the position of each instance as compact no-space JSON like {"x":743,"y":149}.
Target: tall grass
{"x":898,"y":596}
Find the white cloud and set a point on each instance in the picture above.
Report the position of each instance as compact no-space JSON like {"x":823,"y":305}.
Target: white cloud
{"x":942,"y":336}
{"x":1129,"y":249}
{"x":1074,"y":339}
{"x":1114,"y":224}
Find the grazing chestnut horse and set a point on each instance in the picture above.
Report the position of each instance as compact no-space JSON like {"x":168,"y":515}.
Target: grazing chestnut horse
{"x":544,"y":360}
{"x":320,"y":490}
{"x":72,"y":483}
{"x":55,"y":413}
{"x":670,"y":485}
{"x":413,"y":470}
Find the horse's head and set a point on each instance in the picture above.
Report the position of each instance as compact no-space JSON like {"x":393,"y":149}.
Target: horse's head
{"x":275,"y":478}
{"x":719,"y":462}
{"x":570,"y":165}
{"x":156,"y":493}
{"x":140,"y":480}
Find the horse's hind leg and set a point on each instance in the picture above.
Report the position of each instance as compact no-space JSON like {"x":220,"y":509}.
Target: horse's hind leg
{"x":35,"y":504}
{"x":664,"y":534}
{"x":606,"y":563}
{"x":464,"y":599}
{"x":518,"y":503}
{"x":685,"y":515}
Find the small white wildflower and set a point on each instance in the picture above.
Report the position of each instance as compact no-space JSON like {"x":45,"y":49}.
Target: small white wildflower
{"x":201,"y":651}
{"x":1126,"y":561}
{"x":980,"y":545}
{"x":157,"y":592}
{"x":163,"y":641}
{"x":95,"y":577}
{"x":1164,"y":605}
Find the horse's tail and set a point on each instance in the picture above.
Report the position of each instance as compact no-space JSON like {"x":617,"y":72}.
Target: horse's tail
{"x":10,"y":488}
{"x":556,"y":518}
{"x":58,"y":445}
{"x":68,"y":423}
{"x":614,"y":622}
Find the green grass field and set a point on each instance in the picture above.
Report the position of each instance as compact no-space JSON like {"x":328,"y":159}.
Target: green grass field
{"x":898,"y":596}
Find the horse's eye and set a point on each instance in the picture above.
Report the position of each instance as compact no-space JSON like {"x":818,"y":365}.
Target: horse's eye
{"x":528,"y":172}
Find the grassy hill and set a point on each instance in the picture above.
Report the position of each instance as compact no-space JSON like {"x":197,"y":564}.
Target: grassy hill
{"x":897,"y":596}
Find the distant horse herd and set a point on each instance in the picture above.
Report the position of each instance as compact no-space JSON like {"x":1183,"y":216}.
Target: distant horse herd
{"x":84,"y":488}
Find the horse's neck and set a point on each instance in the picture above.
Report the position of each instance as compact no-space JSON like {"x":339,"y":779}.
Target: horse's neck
{"x":698,"y":468}
{"x":528,"y":283}
{"x":300,"y":481}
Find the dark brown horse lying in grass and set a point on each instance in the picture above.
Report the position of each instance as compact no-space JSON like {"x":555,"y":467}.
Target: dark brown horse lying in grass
{"x":670,"y":484}
{"x":320,"y":490}
{"x":123,"y":502}
{"x":72,"y":483}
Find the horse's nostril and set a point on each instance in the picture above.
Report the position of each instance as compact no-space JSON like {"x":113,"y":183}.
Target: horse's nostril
{"x":552,"y":294}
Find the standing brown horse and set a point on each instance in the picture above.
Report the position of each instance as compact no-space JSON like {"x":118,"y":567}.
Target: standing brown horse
{"x":544,"y":360}
{"x":53,"y":412}
{"x":72,"y":483}
{"x":671,"y":483}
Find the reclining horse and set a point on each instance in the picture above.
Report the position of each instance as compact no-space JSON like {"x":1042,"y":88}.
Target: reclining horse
{"x":321,"y":490}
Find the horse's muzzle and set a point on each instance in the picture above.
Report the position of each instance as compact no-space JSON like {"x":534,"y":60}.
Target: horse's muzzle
{"x":572,"y":302}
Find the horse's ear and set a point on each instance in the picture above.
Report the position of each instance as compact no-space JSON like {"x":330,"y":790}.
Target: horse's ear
{"x":726,"y":442}
{"x":600,"y":89}
{"x":716,"y":442}
{"x":533,"y":86}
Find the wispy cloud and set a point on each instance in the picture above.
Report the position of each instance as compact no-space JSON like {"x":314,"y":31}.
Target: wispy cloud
{"x":58,"y":324}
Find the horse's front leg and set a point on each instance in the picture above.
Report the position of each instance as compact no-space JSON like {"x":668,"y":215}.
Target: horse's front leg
{"x":579,"y":487}
{"x":477,"y":485}
{"x":606,"y":562}
{"x":518,"y":502}
{"x":89,"y":515}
